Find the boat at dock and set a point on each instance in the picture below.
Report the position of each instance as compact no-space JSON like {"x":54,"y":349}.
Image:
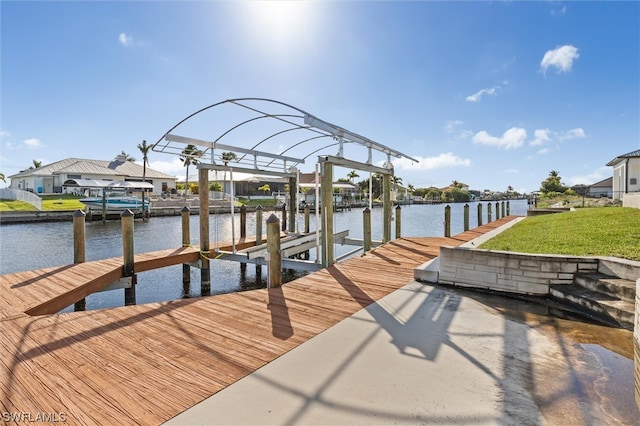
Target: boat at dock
{"x":117,"y":202}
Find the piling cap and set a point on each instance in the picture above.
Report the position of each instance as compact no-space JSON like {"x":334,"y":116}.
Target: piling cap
{"x":259,"y":207}
{"x":186,"y":209}
{"x":126,"y":213}
{"x":79,"y":213}
{"x":273,"y":219}
{"x":366,"y":210}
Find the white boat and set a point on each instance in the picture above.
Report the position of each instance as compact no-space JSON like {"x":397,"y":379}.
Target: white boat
{"x":115,"y":202}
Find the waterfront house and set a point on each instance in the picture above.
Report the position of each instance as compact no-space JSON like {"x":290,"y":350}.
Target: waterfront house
{"x":626,"y":174}
{"x":604,"y":188}
{"x":50,"y":179}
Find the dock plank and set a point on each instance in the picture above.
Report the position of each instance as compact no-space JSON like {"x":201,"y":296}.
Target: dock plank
{"x":145,"y":364}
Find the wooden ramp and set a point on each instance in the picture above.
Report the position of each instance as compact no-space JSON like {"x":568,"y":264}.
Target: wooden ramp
{"x":145,"y":364}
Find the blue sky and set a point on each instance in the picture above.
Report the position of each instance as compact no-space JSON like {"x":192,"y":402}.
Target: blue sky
{"x":492,"y":94}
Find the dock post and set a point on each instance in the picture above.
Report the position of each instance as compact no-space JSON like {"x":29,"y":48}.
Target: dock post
{"x":186,"y":242}
{"x":326,"y":204}
{"x":366,"y":220}
{"x":284,"y":217}
{"x":126,"y":222}
{"x":243,"y":221}
{"x":479,"y":214}
{"x":386,"y":207}
{"x":488,"y":212}
{"x":79,"y":251}
{"x":273,"y":252}
{"x":307,"y":214}
{"x":497,"y":210}
{"x":503,"y":209}
{"x":508,"y":209}
{"x":447,"y":221}
{"x":398,"y":221}
{"x":293,"y":202}
{"x":258,"y":225}
{"x":466,"y":217}
{"x":205,"y":269}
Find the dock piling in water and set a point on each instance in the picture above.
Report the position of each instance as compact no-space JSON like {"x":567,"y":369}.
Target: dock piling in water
{"x":273,"y":252}
{"x":79,"y":251}
{"x":366,"y":221}
{"x":479,"y":214}
{"x":466,"y":217}
{"x":398,"y":221}
{"x":126,"y":220}
{"x":186,"y":242}
{"x":447,"y":221}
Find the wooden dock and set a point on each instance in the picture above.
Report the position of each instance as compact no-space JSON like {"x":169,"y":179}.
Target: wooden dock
{"x":145,"y":364}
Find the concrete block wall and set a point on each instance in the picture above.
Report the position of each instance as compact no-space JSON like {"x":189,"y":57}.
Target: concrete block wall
{"x":631,"y":200}
{"x":508,"y":271}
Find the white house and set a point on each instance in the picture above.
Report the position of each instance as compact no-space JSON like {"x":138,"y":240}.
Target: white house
{"x":49,"y":179}
{"x":626,"y":174}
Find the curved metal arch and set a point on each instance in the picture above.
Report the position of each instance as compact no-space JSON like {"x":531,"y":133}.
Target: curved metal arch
{"x":234,"y":101}
{"x":254,"y":119}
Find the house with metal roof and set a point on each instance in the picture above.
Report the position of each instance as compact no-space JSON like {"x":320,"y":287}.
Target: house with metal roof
{"x":626,"y":174}
{"x":51,"y":178}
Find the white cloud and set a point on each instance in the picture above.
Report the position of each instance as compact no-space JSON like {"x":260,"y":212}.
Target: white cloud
{"x":561,"y":58}
{"x":541,"y":136}
{"x":125,"y":40}
{"x":174,"y":167}
{"x":447,"y":159}
{"x":559,"y":12}
{"x":577,"y":133}
{"x":451,"y":125}
{"x":32,"y":143}
{"x":4,"y":134}
{"x":512,"y":138}
{"x":591,"y":178}
{"x":543,"y":151}
{"x":490,"y":91}
{"x":512,"y":171}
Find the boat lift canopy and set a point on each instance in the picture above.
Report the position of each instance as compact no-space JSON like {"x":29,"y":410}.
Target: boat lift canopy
{"x":106,"y":184}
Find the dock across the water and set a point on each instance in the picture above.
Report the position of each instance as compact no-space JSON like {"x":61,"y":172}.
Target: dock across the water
{"x":145,"y":364}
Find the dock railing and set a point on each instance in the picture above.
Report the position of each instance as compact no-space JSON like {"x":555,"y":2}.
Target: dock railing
{"x":20,"y":195}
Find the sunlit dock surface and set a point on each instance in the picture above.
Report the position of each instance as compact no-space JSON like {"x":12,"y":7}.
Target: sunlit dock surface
{"x":146,"y":364}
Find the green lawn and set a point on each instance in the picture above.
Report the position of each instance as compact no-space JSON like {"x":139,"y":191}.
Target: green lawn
{"x":49,"y":202}
{"x":603,"y":231}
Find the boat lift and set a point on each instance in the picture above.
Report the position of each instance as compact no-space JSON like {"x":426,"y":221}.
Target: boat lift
{"x":284,"y":133}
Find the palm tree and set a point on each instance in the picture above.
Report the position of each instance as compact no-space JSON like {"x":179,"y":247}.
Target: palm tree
{"x":125,"y":156}
{"x":352,"y":175}
{"x":226,"y":157}
{"x":189,"y":155}
{"x":144,"y":149}
{"x":2,"y":178}
{"x":36,"y":164}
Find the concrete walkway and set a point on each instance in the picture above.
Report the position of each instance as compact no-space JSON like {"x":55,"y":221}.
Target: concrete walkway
{"x":428,"y":355}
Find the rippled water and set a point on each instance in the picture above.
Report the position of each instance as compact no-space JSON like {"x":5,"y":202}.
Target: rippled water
{"x":40,"y":245}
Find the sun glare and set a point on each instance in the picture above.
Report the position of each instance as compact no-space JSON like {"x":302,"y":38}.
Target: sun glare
{"x":281,"y":25}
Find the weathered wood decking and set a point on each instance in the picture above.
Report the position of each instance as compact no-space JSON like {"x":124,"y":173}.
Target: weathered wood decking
{"x":145,"y":364}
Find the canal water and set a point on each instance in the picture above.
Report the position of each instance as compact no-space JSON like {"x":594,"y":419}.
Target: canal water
{"x":40,"y":245}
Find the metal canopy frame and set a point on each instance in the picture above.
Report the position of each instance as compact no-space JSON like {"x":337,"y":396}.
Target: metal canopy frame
{"x":214,"y":154}
{"x":293,"y":123}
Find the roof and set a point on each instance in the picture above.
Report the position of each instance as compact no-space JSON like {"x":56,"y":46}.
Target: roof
{"x":608,"y":182}
{"x":632,"y":154}
{"x":113,"y":184}
{"x":105,"y":168}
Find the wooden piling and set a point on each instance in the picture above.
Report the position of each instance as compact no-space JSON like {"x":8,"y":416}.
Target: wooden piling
{"x":508,"y":209}
{"x":293,"y":202}
{"x":284,"y":217}
{"x":479,"y":214}
{"x":79,"y":249}
{"x":243,"y":221}
{"x":126,"y":221}
{"x":273,"y":252}
{"x":258,"y":225}
{"x":398,"y":221}
{"x":466,"y":217}
{"x":186,"y":242}
{"x":386,"y":207}
{"x":503,"y":208}
{"x":326,"y":187}
{"x":488,"y":212}
{"x":307,"y":215}
{"x":447,"y":221}
{"x":497,"y":210}
{"x":205,"y":268}
{"x":366,"y":221}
